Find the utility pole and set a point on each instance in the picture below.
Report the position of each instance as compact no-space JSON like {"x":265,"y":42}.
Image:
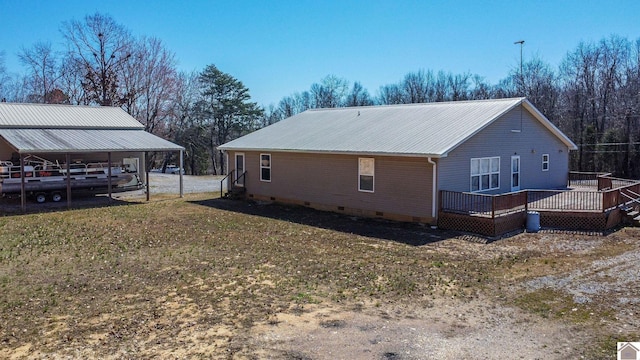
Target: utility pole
{"x":521,"y":42}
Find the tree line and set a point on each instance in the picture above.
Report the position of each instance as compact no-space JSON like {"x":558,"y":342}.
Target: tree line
{"x":593,"y":95}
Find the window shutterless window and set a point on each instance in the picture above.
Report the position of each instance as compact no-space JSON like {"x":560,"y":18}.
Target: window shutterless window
{"x":366,"y":173}
{"x":485,"y":173}
{"x":265,"y":167}
{"x":545,"y":162}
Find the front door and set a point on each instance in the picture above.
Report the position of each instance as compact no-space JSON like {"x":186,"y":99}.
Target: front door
{"x":239,"y":169}
{"x":515,"y":173}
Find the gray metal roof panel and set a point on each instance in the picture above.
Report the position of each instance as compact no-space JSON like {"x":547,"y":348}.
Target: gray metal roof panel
{"x":430,"y":129}
{"x":84,"y":140}
{"x":14,"y":115}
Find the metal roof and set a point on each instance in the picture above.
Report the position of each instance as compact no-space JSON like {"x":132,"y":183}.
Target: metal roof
{"x":14,"y":115}
{"x":431,"y":129}
{"x":44,"y":128}
{"x":84,"y":140}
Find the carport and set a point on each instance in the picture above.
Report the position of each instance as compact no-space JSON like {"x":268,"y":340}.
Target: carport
{"x":70,"y":131}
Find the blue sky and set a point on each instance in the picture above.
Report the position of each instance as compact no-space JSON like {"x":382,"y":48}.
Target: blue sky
{"x":279,"y":47}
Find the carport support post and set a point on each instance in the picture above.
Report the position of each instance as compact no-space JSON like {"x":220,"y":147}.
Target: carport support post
{"x":23,"y":193}
{"x":68,"y":160}
{"x":146,"y":173}
{"x":180,"y":170}
{"x":109,"y":175}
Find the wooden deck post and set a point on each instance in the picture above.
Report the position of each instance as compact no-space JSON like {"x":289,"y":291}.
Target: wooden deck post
{"x":493,"y":207}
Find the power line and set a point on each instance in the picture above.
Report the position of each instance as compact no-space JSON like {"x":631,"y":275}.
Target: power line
{"x":609,"y":144}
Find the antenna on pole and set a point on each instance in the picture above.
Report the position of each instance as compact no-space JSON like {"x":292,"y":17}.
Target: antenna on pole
{"x":521,"y":87}
{"x":521,"y":42}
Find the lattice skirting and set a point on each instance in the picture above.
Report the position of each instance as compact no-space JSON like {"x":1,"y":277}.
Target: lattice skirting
{"x":482,"y":225}
{"x":550,"y":219}
{"x":580,"y":221}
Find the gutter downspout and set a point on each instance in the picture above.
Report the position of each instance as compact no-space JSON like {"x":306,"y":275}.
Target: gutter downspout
{"x":434,"y":195}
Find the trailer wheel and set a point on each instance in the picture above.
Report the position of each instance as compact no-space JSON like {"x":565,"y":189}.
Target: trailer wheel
{"x":41,"y":197}
{"x":56,"y":197}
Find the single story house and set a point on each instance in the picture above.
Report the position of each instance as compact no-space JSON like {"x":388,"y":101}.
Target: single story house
{"x":392,"y":161}
{"x":70,"y":134}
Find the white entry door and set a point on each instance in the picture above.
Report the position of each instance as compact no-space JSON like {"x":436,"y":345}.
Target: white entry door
{"x":515,"y":173}
{"x":239,"y":169}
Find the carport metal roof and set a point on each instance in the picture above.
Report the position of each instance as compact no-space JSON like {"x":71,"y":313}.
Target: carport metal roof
{"x":23,"y":116}
{"x":27,"y":141}
{"x":44,"y":128}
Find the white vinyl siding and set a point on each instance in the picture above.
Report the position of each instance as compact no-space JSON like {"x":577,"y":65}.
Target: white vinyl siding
{"x":485,"y":173}
{"x":265,"y":167}
{"x":545,"y":162}
{"x":366,"y":173}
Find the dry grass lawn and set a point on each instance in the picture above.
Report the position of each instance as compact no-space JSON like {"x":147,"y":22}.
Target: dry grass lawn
{"x":211,"y":278}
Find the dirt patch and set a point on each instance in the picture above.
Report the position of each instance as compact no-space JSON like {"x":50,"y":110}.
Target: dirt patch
{"x":449,"y":329}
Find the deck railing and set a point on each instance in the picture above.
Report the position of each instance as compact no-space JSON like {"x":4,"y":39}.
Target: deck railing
{"x":564,"y":200}
{"x":491,"y":206}
{"x":226,"y":180}
{"x":621,"y":196}
{"x":482,"y":204}
{"x":585,"y":179}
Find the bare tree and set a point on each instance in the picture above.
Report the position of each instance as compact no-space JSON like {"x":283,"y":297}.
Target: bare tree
{"x":42,"y":64}
{"x":540,"y":85}
{"x":4,"y":78}
{"x":418,"y":87}
{"x":330,"y":93}
{"x":359,"y":96}
{"x":190,"y":124}
{"x":71,"y":80}
{"x":100,"y":47}
{"x":481,"y":89}
{"x":149,"y":84}
{"x":391,"y":94}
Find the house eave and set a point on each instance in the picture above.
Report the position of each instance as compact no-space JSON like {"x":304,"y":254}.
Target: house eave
{"x":334,"y":152}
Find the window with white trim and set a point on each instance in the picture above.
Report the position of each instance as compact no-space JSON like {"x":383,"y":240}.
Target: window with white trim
{"x":366,"y":173}
{"x":545,"y":162}
{"x":485,"y":173}
{"x":265,"y":167}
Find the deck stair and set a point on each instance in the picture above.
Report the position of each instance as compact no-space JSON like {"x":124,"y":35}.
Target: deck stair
{"x":632,"y":207}
{"x":234,"y":185}
{"x":236,"y":192}
{"x":632,"y":215}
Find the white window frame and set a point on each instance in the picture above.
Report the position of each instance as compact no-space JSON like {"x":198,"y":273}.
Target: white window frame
{"x":262,"y":167}
{"x":545,"y":162}
{"x":490,"y":173}
{"x":362,"y":171}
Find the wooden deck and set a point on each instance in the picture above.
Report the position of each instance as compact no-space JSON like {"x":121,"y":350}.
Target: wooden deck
{"x":588,"y":204}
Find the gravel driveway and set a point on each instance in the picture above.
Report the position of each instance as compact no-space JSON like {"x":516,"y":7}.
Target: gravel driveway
{"x":170,"y":184}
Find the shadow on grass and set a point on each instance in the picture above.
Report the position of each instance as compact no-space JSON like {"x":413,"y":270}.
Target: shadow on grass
{"x":406,"y":233}
{"x":13,"y":206}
